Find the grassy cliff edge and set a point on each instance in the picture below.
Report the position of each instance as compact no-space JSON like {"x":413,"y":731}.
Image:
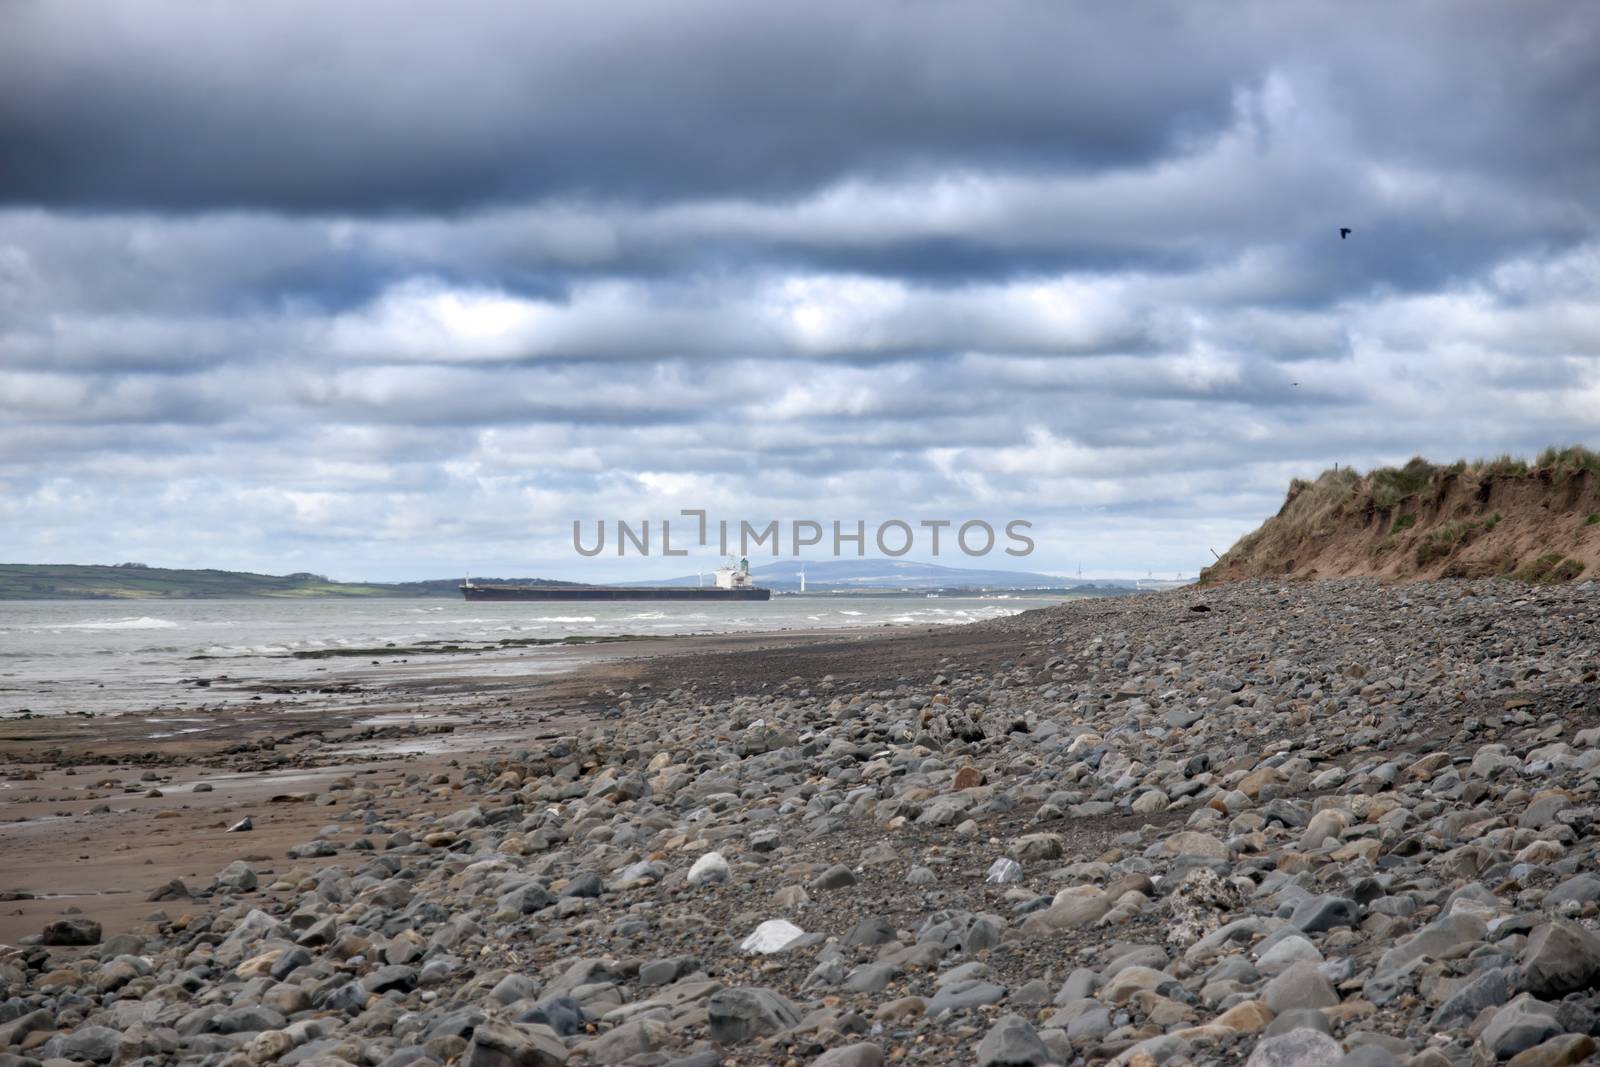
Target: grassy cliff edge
{"x":1537,"y":521}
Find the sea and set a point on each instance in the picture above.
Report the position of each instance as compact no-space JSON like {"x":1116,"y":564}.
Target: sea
{"x":116,"y":657}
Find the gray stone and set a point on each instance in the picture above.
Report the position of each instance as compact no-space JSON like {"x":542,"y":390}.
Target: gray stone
{"x":1487,"y":990}
{"x":497,"y":1044}
{"x":871,"y":931}
{"x":1317,"y":914}
{"x":12,"y":1032}
{"x":1090,"y":1026}
{"x":527,"y":898}
{"x":1560,"y":958}
{"x":871,"y":978}
{"x":1011,"y":1042}
{"x":348,"y":997}
{"x":703,"y":1058}
{"x":959,"y":996}
{"x":1297,"y":1048}
{"x":643,"y":871}
{"x":72,"y":932}
{"x":1387,"y":987}
{"x":238,"y":876}
{"x":1298,"y":1019}
{"x":564,"y":1015}
{"x":391,"y":977}
{"x":1518,"y":1025}
{"x":1580,"y":888}
{"x":1368,"y":1056}
{"x":1152,"y":956}
{"x":1081,"y":983}
{"x":739,"y":1014}
{"x":861,"y":1054}
{"x":290,"y":962}
{"x":584,"y":884}
{"x":173,"y":890}
{"x":661,"y":972}
{"x":1435,"y":939}
{"x":984,"y":932}
{"x":514,"y":987}
{"x":247,"y":1019}
{"x":836,"y":877}
{"x":1284,"y":952}
{"x":1300,"y":986}
{"x":1033,"y":994}
{"x":637,"y":1038}
{"x":459,"y":1023}
{"x":97,"y":1043}
{"x":1543,"y":812}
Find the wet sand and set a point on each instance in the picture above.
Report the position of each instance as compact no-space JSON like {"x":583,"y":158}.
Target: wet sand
{"x":95,"y":813}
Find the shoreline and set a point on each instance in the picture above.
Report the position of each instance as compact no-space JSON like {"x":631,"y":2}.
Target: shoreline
{"x":421,"y":724}
{"x":334,"y":699}
{"x":199,"y":655}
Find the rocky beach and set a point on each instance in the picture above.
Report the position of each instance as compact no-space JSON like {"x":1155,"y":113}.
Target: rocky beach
{"x":1277,"y":824}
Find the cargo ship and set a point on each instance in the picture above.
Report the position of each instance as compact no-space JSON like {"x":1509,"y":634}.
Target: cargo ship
{"x":729,"y":583}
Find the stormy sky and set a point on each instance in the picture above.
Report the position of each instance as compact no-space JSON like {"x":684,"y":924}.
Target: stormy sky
{"x":401,"y":290}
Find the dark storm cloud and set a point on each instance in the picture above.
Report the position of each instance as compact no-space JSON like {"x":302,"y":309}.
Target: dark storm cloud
{"x":359,"y":108}
{"x":315,"y":107}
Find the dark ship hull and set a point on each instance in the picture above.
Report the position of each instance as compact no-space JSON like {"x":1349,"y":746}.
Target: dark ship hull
{"x":602,"y":592}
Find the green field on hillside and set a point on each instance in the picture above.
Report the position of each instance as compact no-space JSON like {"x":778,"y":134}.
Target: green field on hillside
{"x":20,"y":581}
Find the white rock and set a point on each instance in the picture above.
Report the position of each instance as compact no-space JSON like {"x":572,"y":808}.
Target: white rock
{"x":774,"y":935}
{"x":1003,"y":871}
{"x":709,"y":868}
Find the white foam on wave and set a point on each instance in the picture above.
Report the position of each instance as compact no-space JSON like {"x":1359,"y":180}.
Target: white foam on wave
{"x":562,"y":618}
{"x":126,"y":622}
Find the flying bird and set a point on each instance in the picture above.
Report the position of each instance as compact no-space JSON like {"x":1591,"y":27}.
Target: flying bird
{"x":1345,"y":231}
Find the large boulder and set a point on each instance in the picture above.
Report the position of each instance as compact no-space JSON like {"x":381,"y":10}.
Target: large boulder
{"x":72,"y":932}
{"x":1521,"y":1024}
{"x":1302,"y":985}
{"x":237,"y":876}
{"x":1011,"y":1042}
{"x":497,"y":1044}
{"x":1304,"y":1047}
{"x":1435,"y":939}
{"x":739,"y":1014}
{"x":1560,"y":958}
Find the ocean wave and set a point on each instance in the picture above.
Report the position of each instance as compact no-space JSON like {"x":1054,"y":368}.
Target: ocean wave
{"x":126,"y":622}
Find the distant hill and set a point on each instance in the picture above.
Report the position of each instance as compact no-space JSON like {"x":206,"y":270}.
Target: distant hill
{"x":132,"y":581}
{"x":1536,"y":521}
{"x":842,"y":575}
